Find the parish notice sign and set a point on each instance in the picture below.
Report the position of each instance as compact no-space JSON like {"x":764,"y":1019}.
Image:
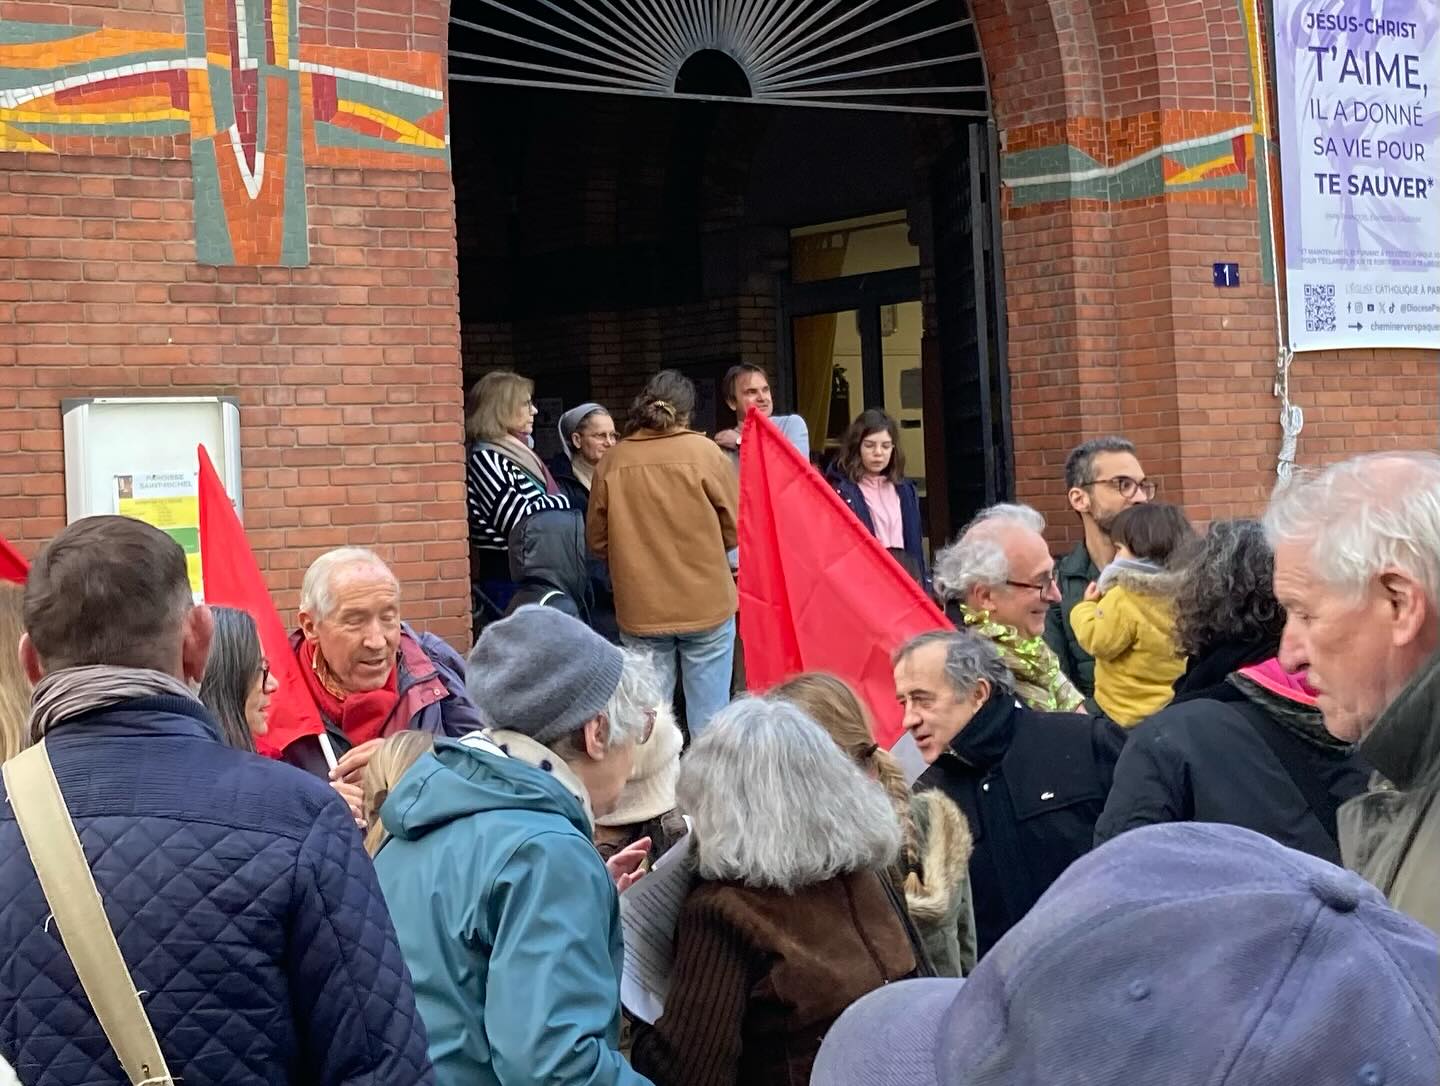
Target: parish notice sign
{"x":1359,"y":103}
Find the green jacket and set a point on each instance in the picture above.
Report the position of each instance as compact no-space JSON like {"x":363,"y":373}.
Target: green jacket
{"x":1075,"y":572}
{"x":1391,"y":835}
{"x":508,"y":922}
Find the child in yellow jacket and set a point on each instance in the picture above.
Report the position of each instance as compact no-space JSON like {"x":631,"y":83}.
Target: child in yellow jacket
{"x":1127,"y":621}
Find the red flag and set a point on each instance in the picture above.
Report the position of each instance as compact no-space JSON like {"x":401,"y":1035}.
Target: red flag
{"x":817,"y":591}
{"x":232,"y":579}
{"x":13,"y":566}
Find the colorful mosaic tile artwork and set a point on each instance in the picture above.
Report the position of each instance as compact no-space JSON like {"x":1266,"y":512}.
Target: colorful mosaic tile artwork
{"x":254,"y":105}
{"x":1190,"y":154}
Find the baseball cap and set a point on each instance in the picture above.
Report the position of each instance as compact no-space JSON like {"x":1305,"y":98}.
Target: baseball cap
{"x":1181,"y":954}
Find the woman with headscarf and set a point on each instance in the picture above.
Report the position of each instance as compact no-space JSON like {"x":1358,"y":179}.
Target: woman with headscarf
{"x":587,"y":433}
{"x":794,"y":917}
{"x":504,"y":480}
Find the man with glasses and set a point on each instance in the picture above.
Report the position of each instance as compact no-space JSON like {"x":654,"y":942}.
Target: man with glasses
{"x":998,"y":580}
{"x":1103,"y":476}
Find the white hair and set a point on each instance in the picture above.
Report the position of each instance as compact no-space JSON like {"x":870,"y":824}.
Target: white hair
{"x":1363,"y":516}
{"x":635,"y":698}
{"x":777,"y":804}
{"x":317,"y":596}
{"x":977,"y":557}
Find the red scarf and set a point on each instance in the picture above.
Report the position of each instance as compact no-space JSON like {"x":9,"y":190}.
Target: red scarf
{"x":361,"y":717}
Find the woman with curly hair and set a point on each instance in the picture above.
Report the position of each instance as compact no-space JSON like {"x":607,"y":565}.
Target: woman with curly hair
{"x":1226,"y":614}
{"x":1244,"y":741}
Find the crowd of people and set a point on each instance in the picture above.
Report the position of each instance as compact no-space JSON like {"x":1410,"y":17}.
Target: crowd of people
{"x":1147,"y":768}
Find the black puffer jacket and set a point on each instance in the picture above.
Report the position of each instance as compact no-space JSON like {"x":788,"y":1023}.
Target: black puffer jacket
{"x":1214,"y":759}
{"x":551,"y":566}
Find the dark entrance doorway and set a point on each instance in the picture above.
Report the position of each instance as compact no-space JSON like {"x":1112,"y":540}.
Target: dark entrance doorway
{"x":851,"y":252}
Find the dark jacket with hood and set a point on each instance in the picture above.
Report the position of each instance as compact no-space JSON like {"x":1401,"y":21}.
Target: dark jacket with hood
{"x":512,"y":925}
{"x":1074,"y":573}
{"x":1392,"y":834}
{"x":1218,"y":759}
{"x":431,"y":684}
{"x":566,"y":481}
{"x":854,"y":497}
{"x":552,"y":566}
{"x":243,"y":904}
{"x":1031,"y":785}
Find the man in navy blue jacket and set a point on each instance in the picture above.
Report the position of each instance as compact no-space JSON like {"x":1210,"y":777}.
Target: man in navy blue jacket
{"x":237,"y":888}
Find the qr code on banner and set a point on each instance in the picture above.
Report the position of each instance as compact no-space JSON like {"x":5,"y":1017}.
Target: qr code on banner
{"x":1319,"y":307}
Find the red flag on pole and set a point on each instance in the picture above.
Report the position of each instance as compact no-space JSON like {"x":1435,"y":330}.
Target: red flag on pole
{"x":13,"y":566}
{"x":232,"y":579}
{"x":817,"y":591}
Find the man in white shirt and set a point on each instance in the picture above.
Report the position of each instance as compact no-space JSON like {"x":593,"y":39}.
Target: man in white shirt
{"x":747,"y":388}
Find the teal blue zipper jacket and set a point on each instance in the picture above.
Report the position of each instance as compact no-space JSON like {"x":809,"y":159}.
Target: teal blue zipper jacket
{"x":508,"y":921}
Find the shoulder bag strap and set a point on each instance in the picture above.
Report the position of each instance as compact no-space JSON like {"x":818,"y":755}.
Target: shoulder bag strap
{"x":1289,"y":753}
{"x":74,"y":901}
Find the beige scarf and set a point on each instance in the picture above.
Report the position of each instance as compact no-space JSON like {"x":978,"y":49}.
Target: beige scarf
{"x":517,"y":745}
{"x":523,"y":457}
{"x":72,"y":691}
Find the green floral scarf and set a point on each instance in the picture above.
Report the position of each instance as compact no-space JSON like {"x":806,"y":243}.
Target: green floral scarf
{"x":1039,"y":682}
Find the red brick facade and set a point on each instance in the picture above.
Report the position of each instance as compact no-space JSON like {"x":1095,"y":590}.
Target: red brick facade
{"x":348,"y":370}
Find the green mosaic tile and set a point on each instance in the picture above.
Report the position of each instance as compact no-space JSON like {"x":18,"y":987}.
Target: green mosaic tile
{"x":16,"y":32}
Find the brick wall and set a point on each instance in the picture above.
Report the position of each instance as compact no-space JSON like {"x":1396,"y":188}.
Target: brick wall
{"x":1115,"y":324}
{"x":347,"y":371}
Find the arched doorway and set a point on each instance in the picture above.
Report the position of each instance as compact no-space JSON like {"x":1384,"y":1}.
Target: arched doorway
{"x":809,"y":186}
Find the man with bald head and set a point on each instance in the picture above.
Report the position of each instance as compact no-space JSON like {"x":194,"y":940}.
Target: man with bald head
{"x":369,"y":674}
{"x":998,"y":579}
{"x":1357,"y":567}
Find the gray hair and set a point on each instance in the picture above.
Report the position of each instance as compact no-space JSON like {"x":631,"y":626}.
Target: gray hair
{"x":635,"y":698}
{"x":977,"y":557}
{"x":1363,"y":516}
{"x":1080,"y":464}
{"x":968,"y":659}
{"x":317,"y":598}
{"x":777,"y":804}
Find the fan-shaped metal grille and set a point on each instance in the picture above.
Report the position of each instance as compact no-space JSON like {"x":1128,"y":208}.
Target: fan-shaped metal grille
{"x":914,"y":56}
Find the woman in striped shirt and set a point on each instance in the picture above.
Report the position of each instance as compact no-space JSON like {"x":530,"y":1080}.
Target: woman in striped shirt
{"x":504,"y":480}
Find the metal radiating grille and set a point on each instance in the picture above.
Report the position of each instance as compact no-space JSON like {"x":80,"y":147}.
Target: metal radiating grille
{"x":913,"y":56}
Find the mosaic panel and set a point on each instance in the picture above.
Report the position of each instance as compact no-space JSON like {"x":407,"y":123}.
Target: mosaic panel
{"x":252,"y":104}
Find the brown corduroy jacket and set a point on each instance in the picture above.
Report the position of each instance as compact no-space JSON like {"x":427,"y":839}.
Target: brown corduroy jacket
{"x":761,"y":975}
{"x":662,"y":513}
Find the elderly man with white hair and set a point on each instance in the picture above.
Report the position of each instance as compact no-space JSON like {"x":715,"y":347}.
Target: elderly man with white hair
{"x":998,"y":580}
{"x":1357,"y":568}
{"x":368,"y":673}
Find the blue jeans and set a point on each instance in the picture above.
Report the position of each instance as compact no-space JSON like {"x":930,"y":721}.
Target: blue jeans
{"x":705,"y":661}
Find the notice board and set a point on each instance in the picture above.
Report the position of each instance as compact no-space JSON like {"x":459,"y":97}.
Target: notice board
{"x":135,"y":456}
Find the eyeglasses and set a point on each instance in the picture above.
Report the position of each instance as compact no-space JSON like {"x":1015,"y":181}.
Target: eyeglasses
{"x":1127,"y":486}
{"x":649,"y":725}
{"x":1049,"y":582}
{"x":264,"y":672}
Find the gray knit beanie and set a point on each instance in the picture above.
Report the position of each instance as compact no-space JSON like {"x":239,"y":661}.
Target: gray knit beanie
{"x":541,"y":673}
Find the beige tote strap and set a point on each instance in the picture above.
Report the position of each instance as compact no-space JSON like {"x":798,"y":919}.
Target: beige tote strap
{"x":74,"y":901}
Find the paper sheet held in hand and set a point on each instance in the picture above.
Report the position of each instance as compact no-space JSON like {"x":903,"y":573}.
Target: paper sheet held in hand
{"x":649,"y":914}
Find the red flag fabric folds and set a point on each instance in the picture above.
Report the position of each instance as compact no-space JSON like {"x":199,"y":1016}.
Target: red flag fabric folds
{"x":13,"y":566}
{"x":817,"y":591}
{"x":232,"y":579}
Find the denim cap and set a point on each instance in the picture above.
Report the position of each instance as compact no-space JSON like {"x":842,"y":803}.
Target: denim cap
{"x":1181,"y":954}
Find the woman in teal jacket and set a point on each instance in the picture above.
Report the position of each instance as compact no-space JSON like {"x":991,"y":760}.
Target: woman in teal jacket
{"x":510,"y":921}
